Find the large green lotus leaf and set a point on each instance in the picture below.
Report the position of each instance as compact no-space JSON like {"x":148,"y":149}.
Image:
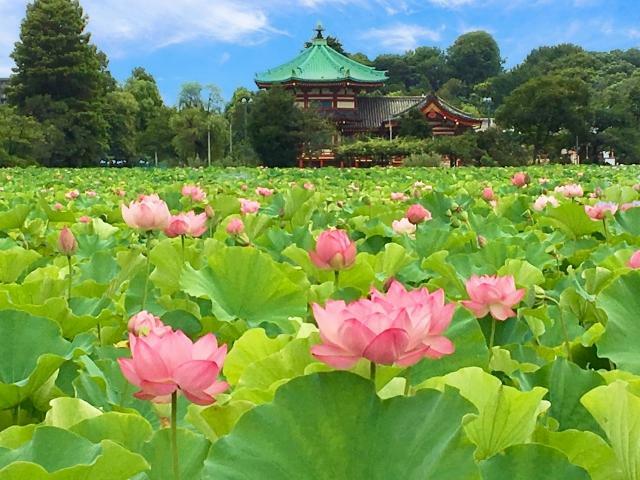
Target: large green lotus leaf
{"x":301,"y":258}
{"x":128,"y":429}
{"x":167,"y":257}
{"x":16,"y":435}
{"x":55,"y":453}
{"x":292,"y":360}
{"x":333,"y":426}
{"x":573,"y":219}
{"x":55,"y":309}
{"x":192,"y":451}
{"x":253,"y":346}
{"x":54,"y":215}
{"x":528,"y":462}
{"x":101,"y":268}
{"x":218,"y":419}
{"x":65,"y":412}
{"x":471,"y":349}
{"x":15,"y":217}
{"x":585,"y":449}
{"x":31,"y":351}
{"x":617,"y":410}
{"x":506,"y":416}
{"x":390,"y":261}
{"x":630,"y":221}
{"x":448,"y":277}
{"x":525,"y":274}
{"x":243,"y":283}
{"x":360,"y":276}
{"x":14,"y":261}
{"x":567,"y":383}
{"x":621,"y":302}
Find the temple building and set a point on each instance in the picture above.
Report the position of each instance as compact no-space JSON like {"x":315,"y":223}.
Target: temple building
{"x":344,"y":89}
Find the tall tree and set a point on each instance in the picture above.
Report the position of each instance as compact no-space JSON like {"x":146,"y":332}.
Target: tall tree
{"x":121,"y":110}
{"x":22,"y":139}
{"x":545,"y":106}
{"x":474,"y":57}
{"x":60,"y":78}
{"x":275,"y":125}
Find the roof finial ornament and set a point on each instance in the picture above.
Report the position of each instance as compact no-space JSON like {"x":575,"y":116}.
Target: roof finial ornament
{"x":319,"y":29}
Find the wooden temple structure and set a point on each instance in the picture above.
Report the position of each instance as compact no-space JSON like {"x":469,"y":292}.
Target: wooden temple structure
{"x":342,"y":89}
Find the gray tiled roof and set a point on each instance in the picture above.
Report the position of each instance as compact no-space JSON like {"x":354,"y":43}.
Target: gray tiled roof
{"x":372,"y":111}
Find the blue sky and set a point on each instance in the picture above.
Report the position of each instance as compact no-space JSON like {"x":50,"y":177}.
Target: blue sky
{"x":227,"y":41}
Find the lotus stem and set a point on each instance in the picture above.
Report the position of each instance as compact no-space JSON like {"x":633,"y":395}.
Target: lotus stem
{"x":146,"y":277}
{"x":493,"y":333}
{"x":407,"y":384}
{"x":182,"y":242}
{"x":567,"y":344}
{"x":69,"y":285}
{"x":606,"y":229}
{"x":174,"y":435}
{"x":336,"y":281}
{"x":372,"y":373}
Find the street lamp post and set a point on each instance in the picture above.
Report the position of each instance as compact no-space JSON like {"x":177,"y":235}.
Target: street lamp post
{"x":488,"y":101}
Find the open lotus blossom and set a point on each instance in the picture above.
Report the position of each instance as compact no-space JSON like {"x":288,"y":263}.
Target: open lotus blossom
{"x":149,"y":212}
{"x":72,"y":194}
{"x":264,"y":191}
{"x":403,"y":226}
{"x":600,"y":210}
{"x":572,"y":190}
{"x":194,"y":192}
{"x":400,"y":327}
{"x":58,"y":206}
{"x":399,"y":197}
{"x":163,"y":364}
{"x":334,"y":251}
{"x":487,"y":194}
{"x":628,"y":206}
{"x":235,"y":227}
{"x":520,"y":179}
{"x":492,"y":295}
{"x":143,"y":323}
{"x":249,"y":206}
{"x":67,"y":244}
{"x":188,"y":224}
{"x":543,"y":200}
{"x":417,"y":214}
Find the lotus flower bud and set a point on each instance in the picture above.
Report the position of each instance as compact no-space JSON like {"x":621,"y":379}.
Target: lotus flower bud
{"x":334,"y":251}
{"x":235,"y":227}
{"x":67,"y":244}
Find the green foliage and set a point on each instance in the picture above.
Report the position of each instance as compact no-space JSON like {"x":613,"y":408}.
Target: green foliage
{"x":63,"y":88}
{"x":474,"y":57}
{"x":300,"y":432}
{"x":414,"y":124}
{"x":275,"y":125}
{"x":22,"y":138}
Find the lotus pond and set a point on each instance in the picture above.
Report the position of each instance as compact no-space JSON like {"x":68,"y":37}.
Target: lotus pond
{"x":321,"y":324}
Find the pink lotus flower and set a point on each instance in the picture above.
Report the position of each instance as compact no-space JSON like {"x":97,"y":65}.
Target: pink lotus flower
{"x":163,"y":364}
{"x":634,"y":261}
{"x":628,"y":206}
{"x":487,"y":194}
{"x":84,"y":219}
{"x":143,"y":323}
{"x":399,"y":197}
{"x":195,"y":192}
{"x":493,"y":294}
{"x":244,"y":187}
{"x":418,"y":214}
{"x":119,"y":192}
{"x":210,"y":212}
{"x":334,"y":251}
{"x":67,"y":244}
{"x":248,"y":206}
{"x":599,"y":210}
{"x":572,"y":190}
{"x":72,"y":194}
{"x":308,"y":186}
{"x":543,"y":181}
{"x":403,"y":226}
{"x":148,"y":213}
{"x":235,"y":227}
{"x":90,"y":193}
{"x":520,"y":179}
{"x":543,"y":200}
{"x":400,"y":327}
{"x":264,"y":191}
{"x":58,"y":206}
{"x":186,"y":224}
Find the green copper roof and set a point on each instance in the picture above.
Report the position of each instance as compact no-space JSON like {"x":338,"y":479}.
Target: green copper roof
{"x":321,"y":63}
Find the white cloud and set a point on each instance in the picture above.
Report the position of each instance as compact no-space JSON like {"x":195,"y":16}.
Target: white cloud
{"x":401,"y":37}
{"x":452,"y":3}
